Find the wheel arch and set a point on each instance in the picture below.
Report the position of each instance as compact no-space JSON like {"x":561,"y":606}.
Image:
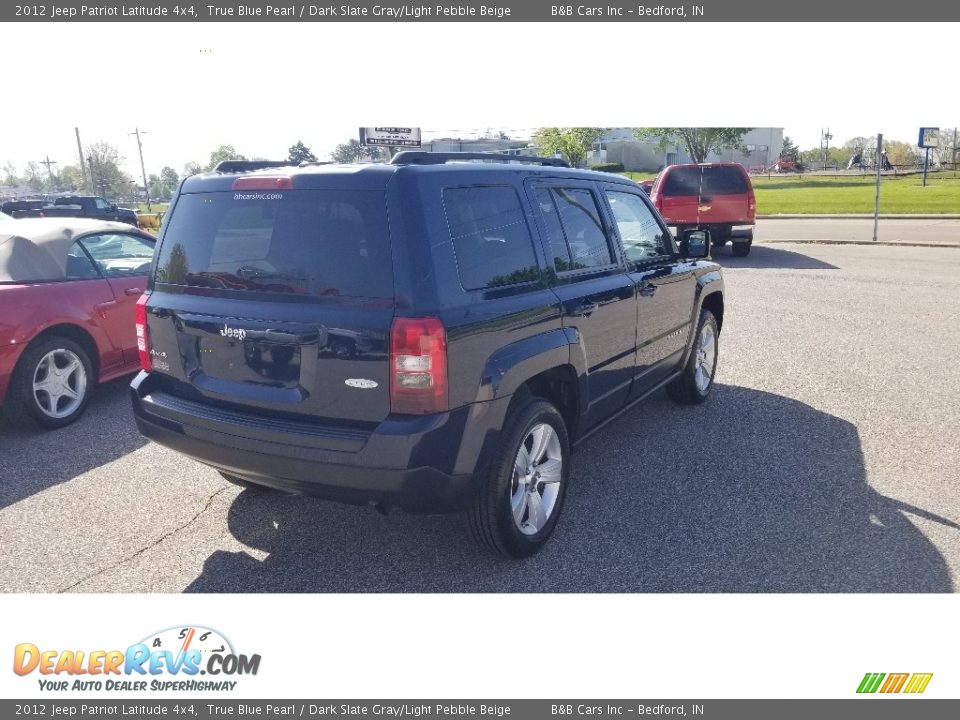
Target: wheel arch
{"x":73,"y":332}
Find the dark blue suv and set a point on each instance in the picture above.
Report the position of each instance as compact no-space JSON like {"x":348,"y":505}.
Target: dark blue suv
{"x":433,"y":334}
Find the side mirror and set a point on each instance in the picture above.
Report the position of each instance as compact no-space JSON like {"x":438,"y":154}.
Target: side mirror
{"x":695,"y":244}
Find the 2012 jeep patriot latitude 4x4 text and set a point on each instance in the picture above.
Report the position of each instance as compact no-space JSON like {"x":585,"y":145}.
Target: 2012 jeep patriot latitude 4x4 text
{"x":428,"y":334}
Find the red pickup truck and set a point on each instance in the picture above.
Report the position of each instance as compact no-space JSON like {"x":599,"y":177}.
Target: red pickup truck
{"x":717,"y":197}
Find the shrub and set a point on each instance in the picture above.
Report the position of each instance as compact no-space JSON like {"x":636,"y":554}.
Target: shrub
{"x":608,"y":167}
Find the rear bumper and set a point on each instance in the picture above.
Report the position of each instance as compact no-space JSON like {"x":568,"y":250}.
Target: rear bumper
{"x":428,"y":464}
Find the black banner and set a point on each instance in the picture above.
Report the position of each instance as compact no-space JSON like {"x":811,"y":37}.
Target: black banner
{"x":488,"y":11}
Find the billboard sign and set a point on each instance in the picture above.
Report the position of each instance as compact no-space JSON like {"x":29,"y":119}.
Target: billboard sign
{"x":390,"y":136}
{"x":929,"y":138}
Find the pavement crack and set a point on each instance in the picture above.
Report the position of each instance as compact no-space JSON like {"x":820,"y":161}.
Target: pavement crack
{"x":206,"y":506}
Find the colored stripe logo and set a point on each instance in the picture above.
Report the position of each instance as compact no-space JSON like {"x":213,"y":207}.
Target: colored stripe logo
{"x":914,"y":683}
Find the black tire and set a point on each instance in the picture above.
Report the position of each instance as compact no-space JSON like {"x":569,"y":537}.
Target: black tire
{"x":685,"y":389}
{"x":741,"y":249}
{"x":23,"y":402}
{"x":491,"y":519}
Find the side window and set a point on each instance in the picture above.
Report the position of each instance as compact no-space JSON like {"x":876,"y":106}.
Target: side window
{"x":574,"y":230}
{"x":642,"y":236}
{"x":78,"y":266}
{"x":102,"y":204}
{"x":118,"y":255}
{"x":490,"y":236}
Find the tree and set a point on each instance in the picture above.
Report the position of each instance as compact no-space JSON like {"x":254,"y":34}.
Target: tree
{"x":103,"y":164}
{"x":10,"y":176}
{"x":572,"y":144}
{"x":169,"y":177}
{"x":33,"y":176}
{"x":192,"y":168}
{"x":790,"y":149}
{"x":353,"y":152}
{"x":946,"y":152}
{"x":301,"y":153}
{"x":71,"y":178}
{"x":224,"y":152}
{"x":698,"y":142}
{"x":901,"y":154}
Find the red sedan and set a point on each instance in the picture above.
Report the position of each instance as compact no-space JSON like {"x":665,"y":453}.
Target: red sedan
{"x":68,"y":292}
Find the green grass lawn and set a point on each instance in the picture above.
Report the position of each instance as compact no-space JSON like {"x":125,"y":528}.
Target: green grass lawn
{"x":787,"y":194}
{"x":850,"y":194}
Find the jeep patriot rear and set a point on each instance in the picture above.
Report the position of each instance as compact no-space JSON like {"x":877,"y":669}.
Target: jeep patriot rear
{"x":428,"y":334}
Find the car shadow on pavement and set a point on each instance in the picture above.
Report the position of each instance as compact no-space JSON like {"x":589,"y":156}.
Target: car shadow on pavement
{"x":750,"y":492}
{"x":32,"y":460}
{"x":766,"y":257}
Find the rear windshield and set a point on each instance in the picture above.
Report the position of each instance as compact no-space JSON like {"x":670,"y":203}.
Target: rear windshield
{"x":716,"y":181}
{"x":302,"y":242}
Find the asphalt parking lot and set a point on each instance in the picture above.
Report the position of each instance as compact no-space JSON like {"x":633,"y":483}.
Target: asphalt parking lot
{"x":826,"y":461}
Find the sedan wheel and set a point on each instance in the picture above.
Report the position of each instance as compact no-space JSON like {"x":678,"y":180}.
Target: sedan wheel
{"x":51,"y":383}
{"x":59,"y":383}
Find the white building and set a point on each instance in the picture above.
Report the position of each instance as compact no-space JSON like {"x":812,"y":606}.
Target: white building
{"x":763,"y":147}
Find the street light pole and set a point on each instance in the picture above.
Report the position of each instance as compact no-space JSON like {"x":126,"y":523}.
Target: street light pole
{"x":876,"y":200}
{"x":143,"y":170}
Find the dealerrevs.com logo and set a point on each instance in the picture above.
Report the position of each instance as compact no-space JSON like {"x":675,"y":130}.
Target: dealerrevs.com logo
{"x":176,"y":659}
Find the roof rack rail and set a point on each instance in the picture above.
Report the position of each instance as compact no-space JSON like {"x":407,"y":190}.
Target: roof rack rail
{"x":421,"y":157}
{"x":232,"y":166}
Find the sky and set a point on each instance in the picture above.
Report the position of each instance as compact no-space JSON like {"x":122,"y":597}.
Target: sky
{"x":262,"y":87}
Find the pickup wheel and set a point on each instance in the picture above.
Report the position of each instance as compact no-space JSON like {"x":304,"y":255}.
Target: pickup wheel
{"x":741,"y":249}
{"x":51,"y":383}
{"x":520,"y":501}
{"x":694,"y":384}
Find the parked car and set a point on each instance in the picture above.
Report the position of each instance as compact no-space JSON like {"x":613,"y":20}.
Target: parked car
{"x":13,"y":206}
{"x":718,"y":197}
{"x":68,"y":291}
{"x":492,"y":308}
{"x":88,"y":206}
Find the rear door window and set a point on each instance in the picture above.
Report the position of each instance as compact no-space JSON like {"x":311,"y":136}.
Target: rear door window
{"x":715,"y":181}
{"x":490,"y":236}
{"x":307,"y":243}
{"x":575,"y":231}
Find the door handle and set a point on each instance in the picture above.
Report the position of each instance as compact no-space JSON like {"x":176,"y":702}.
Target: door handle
{"x":133,"y":291}
{"x":102,"y":307}
{"x":581,"y":309}
{"x":648,"y":290}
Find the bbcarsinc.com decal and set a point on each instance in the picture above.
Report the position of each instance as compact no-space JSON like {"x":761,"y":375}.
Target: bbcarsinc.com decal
{"x":176,"y":659}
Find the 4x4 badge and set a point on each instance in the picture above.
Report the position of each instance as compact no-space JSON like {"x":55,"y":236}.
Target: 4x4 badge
{"x":361,"y":383}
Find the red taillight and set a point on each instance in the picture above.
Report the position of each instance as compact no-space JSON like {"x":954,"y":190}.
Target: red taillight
{"x":752,"y":204}
{"x":263,"y":182}
{"x":658,"y":202}
{"x":418,"y":366}
{"x":143,"y":338}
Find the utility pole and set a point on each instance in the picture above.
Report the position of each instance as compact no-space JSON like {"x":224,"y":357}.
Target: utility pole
{"x":876,"y":200}
{"x":83,"y":168}
{"x":48,"y":162}
{"x":954,"y":163}
{"x":143,"y":170}
{"x":826,"y":147}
